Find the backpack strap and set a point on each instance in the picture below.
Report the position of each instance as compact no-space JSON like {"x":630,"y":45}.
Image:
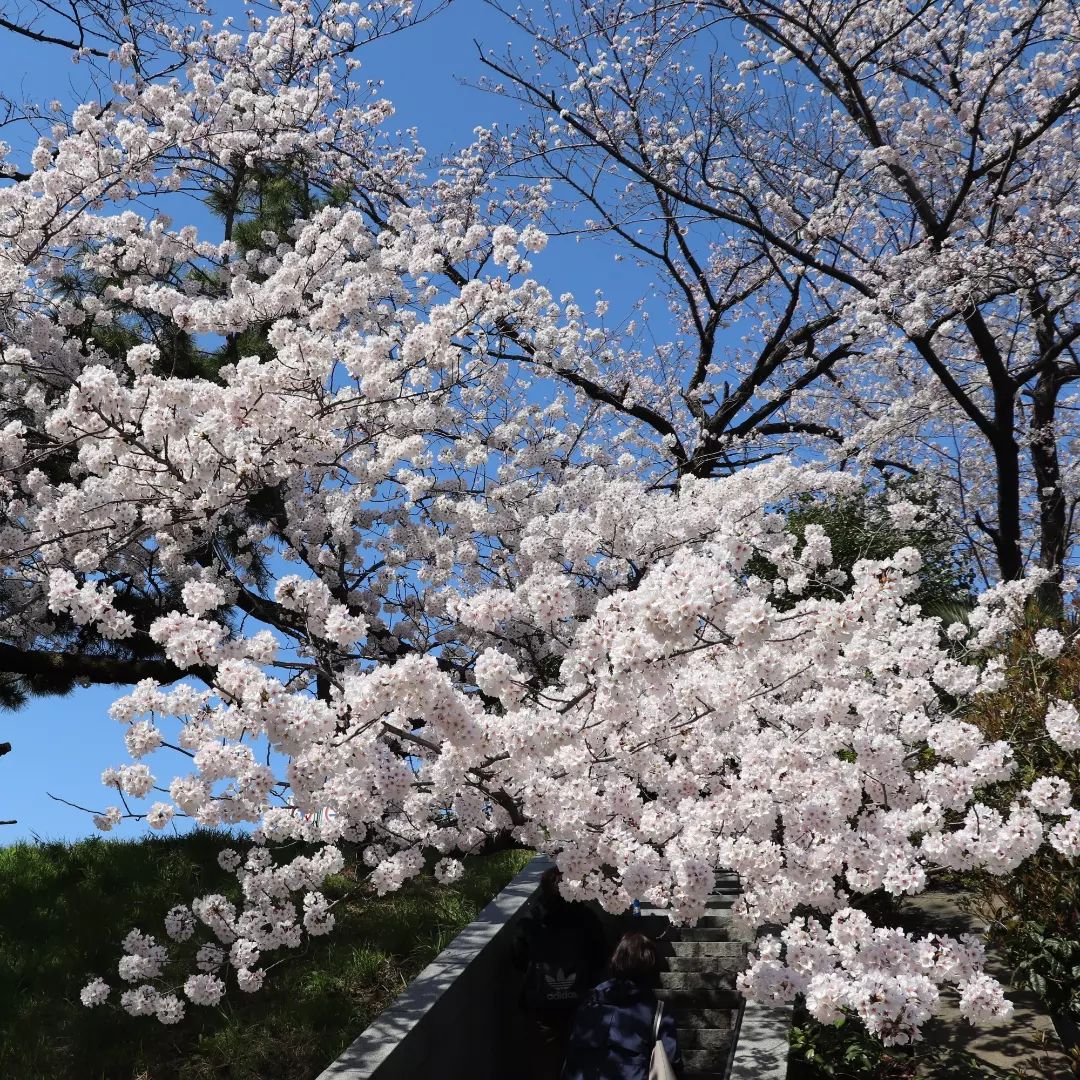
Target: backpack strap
{"x":656,"y":1021}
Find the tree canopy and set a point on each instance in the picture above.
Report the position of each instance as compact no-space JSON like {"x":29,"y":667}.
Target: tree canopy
{"x":414,"y":551}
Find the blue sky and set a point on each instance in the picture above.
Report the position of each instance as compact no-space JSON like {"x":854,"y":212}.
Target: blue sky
{"x":61,"y":745}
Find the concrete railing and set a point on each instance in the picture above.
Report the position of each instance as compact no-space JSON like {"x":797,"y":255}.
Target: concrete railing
{"x":761,"y":1042}
{"x":458,"y":1019}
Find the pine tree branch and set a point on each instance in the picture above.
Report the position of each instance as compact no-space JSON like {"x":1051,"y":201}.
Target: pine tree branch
{"x":94,"y":669}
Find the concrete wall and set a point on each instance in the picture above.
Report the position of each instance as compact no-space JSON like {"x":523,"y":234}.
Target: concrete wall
{"x":471,"y":1032}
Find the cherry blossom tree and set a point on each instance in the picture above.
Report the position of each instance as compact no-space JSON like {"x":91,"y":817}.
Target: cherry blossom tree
{"x":885,"y":191}
{"x":422,"y":561}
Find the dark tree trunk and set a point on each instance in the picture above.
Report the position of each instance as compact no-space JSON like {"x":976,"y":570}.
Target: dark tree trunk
{"x":1007,"y":534}
{"x":1053,"y":515}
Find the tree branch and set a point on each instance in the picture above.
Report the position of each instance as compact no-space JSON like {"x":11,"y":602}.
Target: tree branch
{"x":95,"y":669}
{"x":36,"y":35}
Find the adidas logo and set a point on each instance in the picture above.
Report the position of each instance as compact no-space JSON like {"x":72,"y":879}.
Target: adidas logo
{"x":560,"y":984}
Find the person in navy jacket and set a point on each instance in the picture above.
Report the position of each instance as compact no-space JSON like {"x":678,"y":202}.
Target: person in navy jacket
{"x":612,"y":1036}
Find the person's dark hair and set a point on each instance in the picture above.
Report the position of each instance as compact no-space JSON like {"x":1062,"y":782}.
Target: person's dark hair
{"x":634,"y":957}
{"x":549,"y":885}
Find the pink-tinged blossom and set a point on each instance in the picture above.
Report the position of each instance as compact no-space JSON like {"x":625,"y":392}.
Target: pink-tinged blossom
{"x":159,"y":815}
{"x":202,"y":596}
{"x":318,"y":919}
{"x":982,"y":999}
{"x":1063,"y":724}
{"x":180,"y":923}
{"x":204,"y":989}
{"x":135,"y":780}
{"x":447,"y":871}
{"x":142,"y":738}
{"x":1050,"y":795}
{"x":169,"y":1009}
{"x":187,"y":640}
{"x":1064,"y":837}
{"x":228,"y":859}
{"x":1049,"y":643}
{"x":141,"y":1001}
{"x":107,"y":821}
{"x":95,"y":992}
{"x":244,"y":953}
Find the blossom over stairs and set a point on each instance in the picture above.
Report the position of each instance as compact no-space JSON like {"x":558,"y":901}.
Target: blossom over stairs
{"x":698,"y":967}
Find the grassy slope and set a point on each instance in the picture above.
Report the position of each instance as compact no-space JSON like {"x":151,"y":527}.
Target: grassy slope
{"x":65,"y":908}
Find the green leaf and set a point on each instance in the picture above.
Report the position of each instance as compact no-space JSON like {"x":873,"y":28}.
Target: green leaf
{"x":1059,"y":948}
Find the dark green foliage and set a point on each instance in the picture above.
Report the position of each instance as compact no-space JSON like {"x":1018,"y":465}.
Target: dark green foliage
{"x":16,"y":690}
{"x":859,"y":527}
{"x":64,"y":910}
{"x":73,"y":648}
{"x":262,"y":199}
{"x":845,"y":1051}
{"x":837,"y":1050}
{"x":1047,"y":962}
{"x":257,"y":201}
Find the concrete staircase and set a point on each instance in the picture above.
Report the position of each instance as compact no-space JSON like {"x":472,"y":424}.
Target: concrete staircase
{"x":697,"y":979}
{"x":460,"y":1016}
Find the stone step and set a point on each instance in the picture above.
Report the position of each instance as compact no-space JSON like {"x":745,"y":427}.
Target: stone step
{"x":685,"y":1019}
{"x":697,"y":978}
{"x":710,"y":922}
{"x":698,"y":963}
{"x":705,"y":1039}
{"x":701,"y":933}
{"x":705,"y":1060}
{"x":720,"y":908}
{"x":733,"y":951}
{"x":698,"y":997}
{"x":719,"y":926}
{"x":718,"y":902}
{"x":694,"y":980}
{"x":650,"y":921}
{"x":716,"y":915}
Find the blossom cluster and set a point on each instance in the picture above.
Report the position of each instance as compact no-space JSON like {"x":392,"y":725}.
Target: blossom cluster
{"x":688,"y":724}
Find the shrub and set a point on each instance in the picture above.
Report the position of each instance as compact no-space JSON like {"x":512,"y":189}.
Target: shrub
{"x":1033,"y":913}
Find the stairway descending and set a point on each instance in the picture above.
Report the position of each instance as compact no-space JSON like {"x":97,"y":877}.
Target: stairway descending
{"x":697,"y":979}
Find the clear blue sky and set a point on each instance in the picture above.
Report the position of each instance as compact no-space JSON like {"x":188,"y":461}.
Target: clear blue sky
{"x":62,"y":745}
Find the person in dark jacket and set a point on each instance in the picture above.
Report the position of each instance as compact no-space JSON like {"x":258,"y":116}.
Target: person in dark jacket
{"x":561,"y":948}
{"x":612,"y":1036}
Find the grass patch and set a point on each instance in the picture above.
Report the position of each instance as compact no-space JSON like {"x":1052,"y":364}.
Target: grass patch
{"x":64,"y":908}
